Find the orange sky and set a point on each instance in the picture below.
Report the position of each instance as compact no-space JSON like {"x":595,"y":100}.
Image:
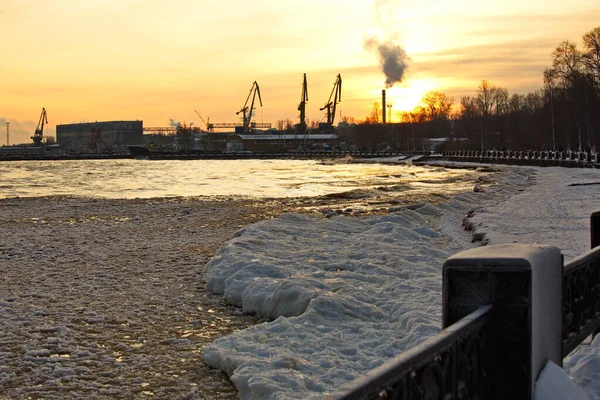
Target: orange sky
{"x":157,"y":60}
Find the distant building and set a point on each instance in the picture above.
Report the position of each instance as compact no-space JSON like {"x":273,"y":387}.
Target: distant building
{"x":99,"y":136}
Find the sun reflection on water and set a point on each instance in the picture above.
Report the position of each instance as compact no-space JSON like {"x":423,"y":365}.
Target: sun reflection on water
{"x":245,"y":178}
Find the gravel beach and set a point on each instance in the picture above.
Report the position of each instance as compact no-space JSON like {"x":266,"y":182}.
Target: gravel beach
{"x":104,"y":298}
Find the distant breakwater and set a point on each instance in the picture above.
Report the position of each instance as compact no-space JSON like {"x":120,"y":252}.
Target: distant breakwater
{"x":167,"y":155}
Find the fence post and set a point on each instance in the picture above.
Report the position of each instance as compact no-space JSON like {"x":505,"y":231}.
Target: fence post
{"x":524,"y":285}
{"x":595,"y":228}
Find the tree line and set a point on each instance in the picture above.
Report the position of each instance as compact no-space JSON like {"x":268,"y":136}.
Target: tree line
{"x":562,"y":115}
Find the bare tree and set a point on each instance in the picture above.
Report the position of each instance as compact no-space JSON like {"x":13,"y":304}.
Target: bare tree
{"x":567,"y":68}
{"x":591,"y":54}
{"x":485,"y":103}
{"x":515,"y":103}
{"x":406,"y":117}
{"x":549,"y":87}
{"x":313,"y":124}
{"x":348,"y":120}
{"x":468,"y":113}
{"x":469,"y":107}
{"x":437,"y":106}
{"x":566,"y":62}
{"x":500,"y":98}
{"x":485,"y":98}
{"x":289,"y":125}
{"x":375,"y":116}
{"x":534,"y":101}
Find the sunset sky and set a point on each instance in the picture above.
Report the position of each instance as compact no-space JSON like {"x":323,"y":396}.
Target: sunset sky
{"x":156,"y":60}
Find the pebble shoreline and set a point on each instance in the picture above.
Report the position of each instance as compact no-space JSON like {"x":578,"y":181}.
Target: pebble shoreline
{"x":104,"y":298}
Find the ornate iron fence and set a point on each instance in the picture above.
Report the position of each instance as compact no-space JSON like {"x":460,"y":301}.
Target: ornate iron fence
{"x":541,"y":158}
{"x":502,"y":319}
{"x":581,"y":299}
{"x":446,"y":366}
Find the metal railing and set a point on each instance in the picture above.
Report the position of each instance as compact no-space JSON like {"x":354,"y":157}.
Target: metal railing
{"x":541,"y":158}
{"x":444,"y":366}
{"x":507,"y":310}
{"x":581,"y":299}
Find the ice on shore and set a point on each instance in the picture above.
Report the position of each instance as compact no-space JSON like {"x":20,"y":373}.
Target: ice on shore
{"x":343,"y":295}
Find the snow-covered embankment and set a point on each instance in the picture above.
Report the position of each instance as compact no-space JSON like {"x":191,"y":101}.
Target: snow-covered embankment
{"x":343,"y":294}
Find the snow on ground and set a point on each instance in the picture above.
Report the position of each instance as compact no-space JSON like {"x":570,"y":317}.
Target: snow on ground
{"x":556,"y":211}
{"x":583,"y":367}
{"x":554,"y":384}
{"x":344,"y":294}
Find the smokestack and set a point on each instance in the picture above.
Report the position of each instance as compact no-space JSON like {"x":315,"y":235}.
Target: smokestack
{"x":383,"y":105}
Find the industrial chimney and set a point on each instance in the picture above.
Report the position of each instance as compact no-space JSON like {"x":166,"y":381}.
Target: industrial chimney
{"x":383,"y":105}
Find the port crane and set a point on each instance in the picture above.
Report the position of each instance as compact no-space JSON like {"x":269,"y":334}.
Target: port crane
{"x":334,"y":97}
{"x":39,"y":131}
{"x":302,"y":106}
{"x":209,"y":126}
{"x":248,"y":109}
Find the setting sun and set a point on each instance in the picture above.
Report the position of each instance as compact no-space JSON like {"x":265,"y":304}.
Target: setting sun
{"x":409,"y":95}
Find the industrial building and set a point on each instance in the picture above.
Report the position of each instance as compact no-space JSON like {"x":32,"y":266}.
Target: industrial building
{"x":99,"y":136}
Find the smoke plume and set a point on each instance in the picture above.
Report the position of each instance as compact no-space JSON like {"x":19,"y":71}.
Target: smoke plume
{"x":393,"y":59}
{"x":174,"y":123}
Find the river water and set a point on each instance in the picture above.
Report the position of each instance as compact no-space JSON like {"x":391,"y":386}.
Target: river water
{"x":110,"y":288}
{"x":127,"y":179}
